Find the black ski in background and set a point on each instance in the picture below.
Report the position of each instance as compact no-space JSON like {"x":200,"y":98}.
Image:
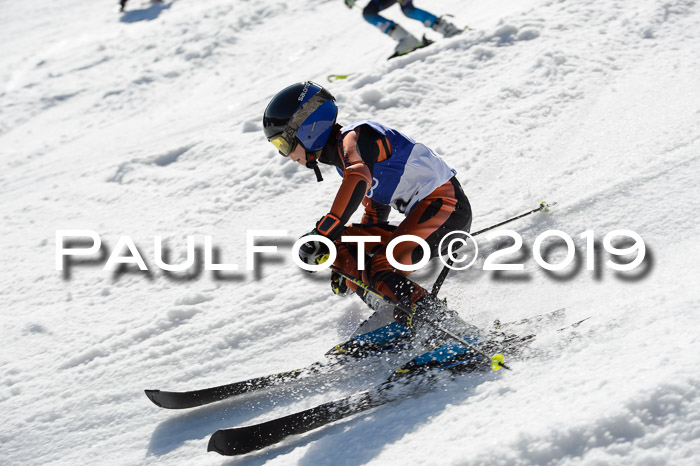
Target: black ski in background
{"x":422,"y":44}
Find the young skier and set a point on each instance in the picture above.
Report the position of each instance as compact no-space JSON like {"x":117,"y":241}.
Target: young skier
{"x":381,"y":168}
{"x":406,"y":42}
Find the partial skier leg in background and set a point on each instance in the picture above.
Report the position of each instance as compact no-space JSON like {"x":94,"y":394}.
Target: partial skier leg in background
{"x":405,"y":40}
{"x":429,"y":20}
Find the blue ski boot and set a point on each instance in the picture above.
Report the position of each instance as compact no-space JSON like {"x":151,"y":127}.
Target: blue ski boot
{"x":440,"y":350}
{"x":379,"y":333}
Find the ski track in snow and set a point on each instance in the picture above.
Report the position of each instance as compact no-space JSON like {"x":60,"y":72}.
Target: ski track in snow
{"x":149,"y":123}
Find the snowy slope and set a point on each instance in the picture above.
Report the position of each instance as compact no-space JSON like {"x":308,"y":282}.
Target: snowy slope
{"x":149,"y":123}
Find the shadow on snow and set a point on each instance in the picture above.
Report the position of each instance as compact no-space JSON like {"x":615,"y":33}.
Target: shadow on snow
{"x":145,"y":14}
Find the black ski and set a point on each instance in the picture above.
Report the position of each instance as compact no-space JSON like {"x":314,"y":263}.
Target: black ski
{"x":338,"y":356}
{"x":241,"y":440}
{"x":191,"y":399}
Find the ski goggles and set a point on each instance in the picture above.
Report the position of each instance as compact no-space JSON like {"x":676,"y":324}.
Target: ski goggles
{"x":286,"y":141}
{"x":283,"y":146}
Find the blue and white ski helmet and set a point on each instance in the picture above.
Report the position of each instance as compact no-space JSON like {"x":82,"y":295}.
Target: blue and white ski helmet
{"x":305,"y":111}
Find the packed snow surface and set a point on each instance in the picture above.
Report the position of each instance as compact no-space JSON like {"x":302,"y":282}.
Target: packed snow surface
{"x":148,"y":123}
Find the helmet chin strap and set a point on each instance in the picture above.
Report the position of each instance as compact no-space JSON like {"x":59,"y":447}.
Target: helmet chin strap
{"x":312,"y":162}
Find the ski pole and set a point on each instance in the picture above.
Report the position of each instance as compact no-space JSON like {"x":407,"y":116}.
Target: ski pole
{"x":543,"y":207}
{"x":497,"y":360}
{"x":335,"y":77}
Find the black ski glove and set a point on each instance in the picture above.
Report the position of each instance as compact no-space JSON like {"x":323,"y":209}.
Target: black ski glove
{"x":339,"y":285}
{"x":313,"y":252}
